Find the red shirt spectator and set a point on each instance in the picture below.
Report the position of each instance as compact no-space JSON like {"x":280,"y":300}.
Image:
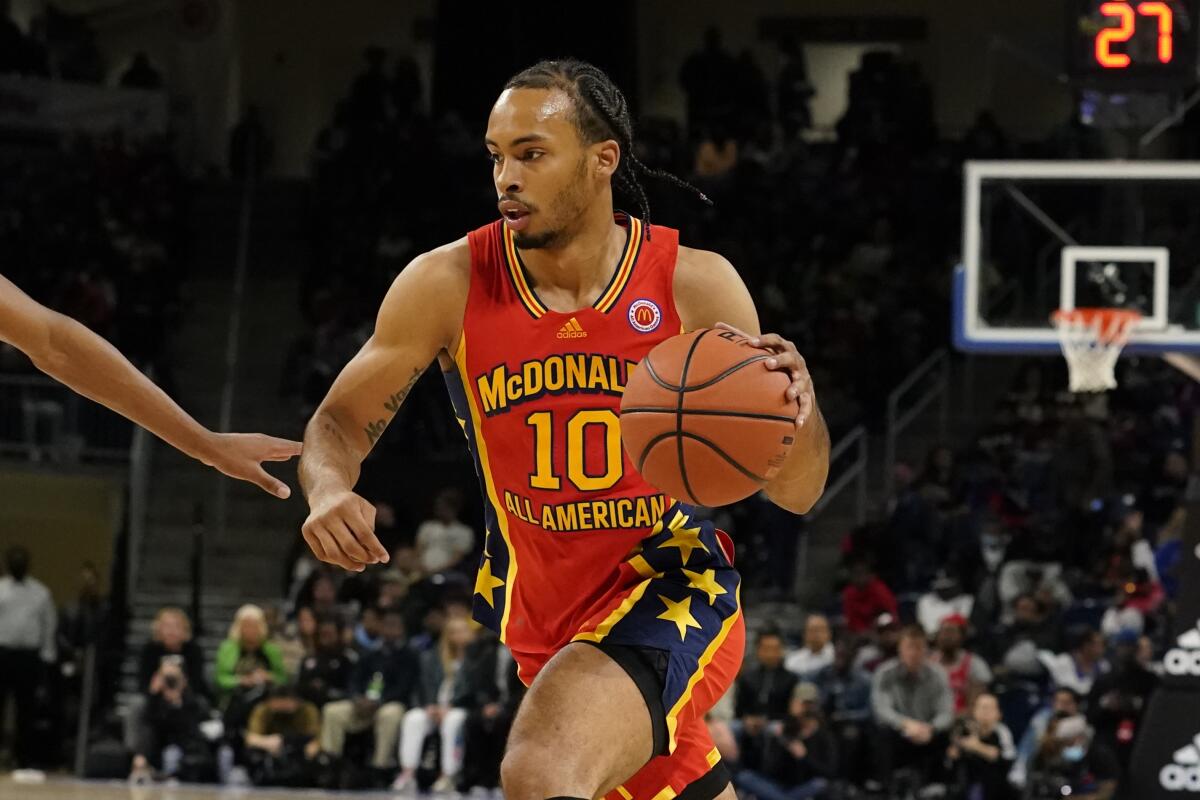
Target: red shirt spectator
{"x":865,"y":598}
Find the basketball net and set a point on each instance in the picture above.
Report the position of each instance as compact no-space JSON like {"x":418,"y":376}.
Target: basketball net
{"x":1092,"y":339}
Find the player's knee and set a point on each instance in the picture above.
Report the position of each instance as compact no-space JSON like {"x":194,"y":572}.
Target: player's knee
{"x":531,"y":773}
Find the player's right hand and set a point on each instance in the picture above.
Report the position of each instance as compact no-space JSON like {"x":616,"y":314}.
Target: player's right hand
{"x":340,"y":530}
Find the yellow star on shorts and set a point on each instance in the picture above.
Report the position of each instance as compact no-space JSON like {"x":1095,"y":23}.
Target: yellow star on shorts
{"x":486,"y":583}
{"x":706,"y":582}
{"x":679,"y":613}
{"x":687,"y":540}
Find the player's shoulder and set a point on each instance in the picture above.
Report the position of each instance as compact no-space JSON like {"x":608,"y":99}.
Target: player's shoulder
{"x":699,"y":270}
{"x":433,"y":287}
{"x":446,"y":264}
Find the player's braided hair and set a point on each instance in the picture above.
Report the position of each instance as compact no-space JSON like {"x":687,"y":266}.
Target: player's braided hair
{"x":600,"y":113}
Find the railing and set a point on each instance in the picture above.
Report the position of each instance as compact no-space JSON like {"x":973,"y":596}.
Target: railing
{"x":140,"y":452}
{"x":42,"y":420}
{"x":853,"y":448}
{"x":855,"y":472}
{"x":930,"y":381}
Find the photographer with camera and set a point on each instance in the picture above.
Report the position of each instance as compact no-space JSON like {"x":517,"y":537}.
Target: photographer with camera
{"x":1070,"y":762}
{"x":981,"y":752}
{"x":170,"y":649}
{"x":799,"y":755}
{"x":174,"y":744}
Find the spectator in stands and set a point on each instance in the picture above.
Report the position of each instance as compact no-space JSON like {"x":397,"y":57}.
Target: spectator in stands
{"x":170,"y":644}
{"x":1031,"y":630}
{"x":174,"y":743}
{"x":293,"y":640}
{"x":764,"y":689}
{"x":1163,"y":493}
{"x":817,"y":652}
{"x":708,"y":81}
{"x":380,"y":691}
{"x":799,"y":757}
{"x":1070,"y":763}
{"x":325,"y":674}
{"x":250,"y":148}
{"x":248,"y":665}
{"x":1064,"y":703}
{"x":443,"y":541}
{"x":1042,"y":579}
{"x":967,"y":673}
{"x":981,"y":752}
{"x":368,"y":633}
{"x":793,"y":91}
{"x":913,"y":708}
{"x":282,"y":739}
{"x":1168,"y":554}
{"x":846,"y":701}
{"x":1136,"y":598}
{"x":1079,"y":668}
{"x":434,"y":708}
{"x":946,"y":598}
{"x":141,"y":74}
{"x":880,"y":645}
{"x":82,"y":624}
{"x":27,"y":644}
{"x":1119,"y":698}
{"x":490,"y":690}
{"x":865,"y":598}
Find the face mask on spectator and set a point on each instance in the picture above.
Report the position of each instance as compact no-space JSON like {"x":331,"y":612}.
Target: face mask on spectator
{"x":1073,"y":754}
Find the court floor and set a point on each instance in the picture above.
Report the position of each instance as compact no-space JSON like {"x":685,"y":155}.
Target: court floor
{"x":71,"y":789}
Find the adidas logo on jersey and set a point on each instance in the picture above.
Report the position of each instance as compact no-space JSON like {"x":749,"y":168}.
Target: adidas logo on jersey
{"x":572,"y":330}
{"x":1184,"y":773}
{"x":1184,"y":657}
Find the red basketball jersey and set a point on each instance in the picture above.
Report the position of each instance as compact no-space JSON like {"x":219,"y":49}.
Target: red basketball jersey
{"x":537,"y":393}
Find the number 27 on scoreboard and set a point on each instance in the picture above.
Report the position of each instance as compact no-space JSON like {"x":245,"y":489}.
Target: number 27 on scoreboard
{"x":1128,"y":17}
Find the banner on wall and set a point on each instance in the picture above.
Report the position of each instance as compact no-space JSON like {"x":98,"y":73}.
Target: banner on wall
{"x":41,"y":105}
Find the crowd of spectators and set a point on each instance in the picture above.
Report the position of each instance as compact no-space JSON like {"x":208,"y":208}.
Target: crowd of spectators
{"x":373,"y":680}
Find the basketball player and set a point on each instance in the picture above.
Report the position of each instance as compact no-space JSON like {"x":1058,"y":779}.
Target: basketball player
{"x":619,"y":606}
{"x":69,"y":352}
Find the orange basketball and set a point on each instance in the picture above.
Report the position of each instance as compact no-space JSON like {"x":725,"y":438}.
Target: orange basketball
{"x":704,"y":420}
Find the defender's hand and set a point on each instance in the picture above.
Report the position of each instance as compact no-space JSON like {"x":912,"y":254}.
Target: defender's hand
{"x":240,"y":455}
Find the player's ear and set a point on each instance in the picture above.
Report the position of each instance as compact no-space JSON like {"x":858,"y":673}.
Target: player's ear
{"x":607,"y":158}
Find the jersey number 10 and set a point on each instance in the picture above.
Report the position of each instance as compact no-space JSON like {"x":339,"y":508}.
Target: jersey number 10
{"x":544,"y":475}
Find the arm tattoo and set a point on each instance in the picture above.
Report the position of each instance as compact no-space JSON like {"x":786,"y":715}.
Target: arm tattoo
{"x":374,"y":430}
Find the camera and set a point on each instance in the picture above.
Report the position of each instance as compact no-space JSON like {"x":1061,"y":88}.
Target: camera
{"x":172,"y":682}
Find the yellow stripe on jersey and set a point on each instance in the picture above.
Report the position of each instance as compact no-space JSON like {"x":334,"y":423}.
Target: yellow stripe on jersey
{"x":528,"y":298}
{"x":709,"y":653}
{"x":616,"y":616}
{"x":460,"y":359}
{"x":609,"y":297}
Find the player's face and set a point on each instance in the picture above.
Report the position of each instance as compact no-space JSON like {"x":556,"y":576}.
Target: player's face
{"x":540,"y":166}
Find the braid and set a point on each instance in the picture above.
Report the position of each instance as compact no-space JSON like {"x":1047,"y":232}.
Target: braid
{"x":601,"y":112}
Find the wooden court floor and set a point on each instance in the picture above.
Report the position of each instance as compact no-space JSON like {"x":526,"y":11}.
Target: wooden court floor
{"x":70,"y":789}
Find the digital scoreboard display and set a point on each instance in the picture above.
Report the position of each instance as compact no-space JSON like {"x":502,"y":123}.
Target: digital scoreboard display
{"x":1147,"y":44}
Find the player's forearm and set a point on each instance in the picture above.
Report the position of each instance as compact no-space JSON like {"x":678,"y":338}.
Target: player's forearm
{"x":95,"y":369}
{"x":801,"y":480}
{"x":329,"y":463}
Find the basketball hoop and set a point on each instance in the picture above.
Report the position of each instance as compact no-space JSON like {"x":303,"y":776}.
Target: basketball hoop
{"x":1092,"y":339}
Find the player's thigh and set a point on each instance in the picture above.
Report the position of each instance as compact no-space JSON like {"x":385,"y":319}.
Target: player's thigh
{"x":582,"y":728}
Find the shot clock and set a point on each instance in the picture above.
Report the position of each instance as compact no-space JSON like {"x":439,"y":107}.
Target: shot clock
{"x":1135,"y":44}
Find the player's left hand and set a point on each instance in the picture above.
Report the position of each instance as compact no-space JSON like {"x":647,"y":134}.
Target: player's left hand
{"x":240,"y":455}
{"x":786,"y":358}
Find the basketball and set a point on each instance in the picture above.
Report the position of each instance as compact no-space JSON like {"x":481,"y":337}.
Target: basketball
{"x":705,"y":420}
